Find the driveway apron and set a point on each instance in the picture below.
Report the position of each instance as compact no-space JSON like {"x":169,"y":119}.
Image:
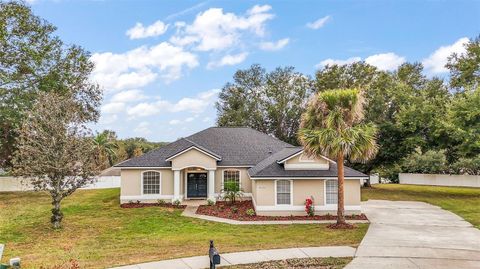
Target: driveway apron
{"x":416,"y":235}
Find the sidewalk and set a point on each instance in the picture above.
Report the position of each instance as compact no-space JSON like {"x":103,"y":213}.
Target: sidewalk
{"x":246,"y":257}
{"x":190,"y":211}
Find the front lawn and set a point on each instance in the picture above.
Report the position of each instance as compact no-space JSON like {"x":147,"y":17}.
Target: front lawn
{"x":464,"y":202}
{"x":97,"y":233}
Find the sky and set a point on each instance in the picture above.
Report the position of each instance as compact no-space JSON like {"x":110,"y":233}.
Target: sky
{"x":162,"y":64}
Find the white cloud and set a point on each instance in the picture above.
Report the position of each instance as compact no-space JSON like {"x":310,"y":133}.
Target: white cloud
{"x":112,"y":108}
{"x":215,"y":30}
{"x":272,"y":46}
{"x":106,"y":119}
{"x":139,"y":31}
{"x":385,"y":61}
{"x":143,"y":128}
{"x":228,"y":60}
{"x":141,"y":66}
{"x":435,"y":63}
{"x":318,"y":23}
{"x":128,"y":96}
{"x":206,"y":119}
{"x":144,"y":109}
{"x":174,"y":122}
{"x":197,"y":105}
{"x":337,"y":62}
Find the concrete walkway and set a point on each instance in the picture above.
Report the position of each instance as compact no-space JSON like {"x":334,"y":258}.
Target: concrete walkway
{"x":246,"y":257}
{"x":416,"y":235}
{"x":190,"y":211}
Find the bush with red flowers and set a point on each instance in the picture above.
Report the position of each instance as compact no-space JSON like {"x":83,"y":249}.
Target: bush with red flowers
{"x":309,"y":207}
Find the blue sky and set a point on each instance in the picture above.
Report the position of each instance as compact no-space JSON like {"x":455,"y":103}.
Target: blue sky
{"x":162,"y":63}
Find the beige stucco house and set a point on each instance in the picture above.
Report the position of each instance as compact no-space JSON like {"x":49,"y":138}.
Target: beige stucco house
{"x":277,"y":176}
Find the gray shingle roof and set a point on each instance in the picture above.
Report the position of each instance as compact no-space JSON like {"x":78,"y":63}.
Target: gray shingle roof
{"x":270,"y":168}
{"x":237,"y":146}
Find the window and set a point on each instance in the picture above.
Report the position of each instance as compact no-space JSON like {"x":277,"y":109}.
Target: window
{"x":231,"y":176}
{"x":331,"y":192}
{"x":284,"y":192}
{"x":151,"y":182}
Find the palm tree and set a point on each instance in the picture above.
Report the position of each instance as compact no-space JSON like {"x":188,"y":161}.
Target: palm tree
{"x":332,"y":126}
{"x":106,"y":147}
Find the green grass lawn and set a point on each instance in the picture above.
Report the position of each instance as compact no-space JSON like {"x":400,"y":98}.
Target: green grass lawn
{"x":464,"y":202}
{"x":97,"y":233}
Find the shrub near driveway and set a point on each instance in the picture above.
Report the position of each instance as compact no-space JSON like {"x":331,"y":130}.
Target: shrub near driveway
{"x":98,"y":233}
{"x":464,"y":202}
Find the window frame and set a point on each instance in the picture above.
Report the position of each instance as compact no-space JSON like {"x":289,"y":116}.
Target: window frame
{"x":232,"y":170}
{"x":159,"y":183}
{"x":291,"y":192}
{"x":325,"y":192}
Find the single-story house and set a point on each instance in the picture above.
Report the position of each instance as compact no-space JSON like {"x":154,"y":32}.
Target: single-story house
{"x":277,"y":176}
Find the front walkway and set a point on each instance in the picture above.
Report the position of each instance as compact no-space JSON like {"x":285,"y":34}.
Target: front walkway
{"x":190,"y":211}
{"x":416,"y":235}
{"x":246,"y":257}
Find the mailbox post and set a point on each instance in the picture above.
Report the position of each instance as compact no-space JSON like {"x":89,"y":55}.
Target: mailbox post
{"x":214,"y":256}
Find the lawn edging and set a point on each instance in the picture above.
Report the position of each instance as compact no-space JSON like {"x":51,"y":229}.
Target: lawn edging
{"x":190,"y":211}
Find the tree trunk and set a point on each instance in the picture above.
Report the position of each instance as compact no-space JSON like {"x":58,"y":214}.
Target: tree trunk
{"x":57,"y":214}
{"x":341,"y":200}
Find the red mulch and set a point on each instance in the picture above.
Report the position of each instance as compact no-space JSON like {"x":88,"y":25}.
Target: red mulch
{"x":224,"y":210}
{"x":139,"y":205}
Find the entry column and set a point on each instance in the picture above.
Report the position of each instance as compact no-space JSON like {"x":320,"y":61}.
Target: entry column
{"x":211,"y":184}
{"x":176,"y":185}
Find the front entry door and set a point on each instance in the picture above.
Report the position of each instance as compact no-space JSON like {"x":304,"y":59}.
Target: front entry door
{"x":197,"y":185}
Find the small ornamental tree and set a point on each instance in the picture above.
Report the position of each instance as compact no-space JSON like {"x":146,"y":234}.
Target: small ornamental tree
{"x":231,"y":191}
{"x":55,"y":150}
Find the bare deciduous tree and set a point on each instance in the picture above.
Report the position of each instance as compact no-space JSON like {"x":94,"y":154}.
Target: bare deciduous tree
{"x":55,"y":150}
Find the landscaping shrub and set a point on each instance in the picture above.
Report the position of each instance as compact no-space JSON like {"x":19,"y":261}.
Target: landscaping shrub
{"x":210,"y":202}
{"x":430,"y":162}
{"x":470,"y":166}
{"x":250,"y":212}
{"x":309,"y":207}
{"x":176,"y":203}
{"x":231,"y":191}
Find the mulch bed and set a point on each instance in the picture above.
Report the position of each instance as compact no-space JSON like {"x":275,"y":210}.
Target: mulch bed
{"x":140,"y":205}
{"x":238,"y":211}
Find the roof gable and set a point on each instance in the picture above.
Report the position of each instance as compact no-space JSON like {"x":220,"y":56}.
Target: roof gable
{"x":206,"y":152}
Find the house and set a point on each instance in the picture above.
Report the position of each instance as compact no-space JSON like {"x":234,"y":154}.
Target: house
{"x":277,"y":176}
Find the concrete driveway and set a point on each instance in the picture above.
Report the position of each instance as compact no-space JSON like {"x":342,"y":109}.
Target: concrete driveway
{"x":416,"y":235}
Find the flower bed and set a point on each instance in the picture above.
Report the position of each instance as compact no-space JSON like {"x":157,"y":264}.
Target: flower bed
{"x":139,"y":205}
{"x":238,"y":211}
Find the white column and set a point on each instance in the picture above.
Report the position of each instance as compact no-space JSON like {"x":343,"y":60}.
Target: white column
{"x":176,"y":185}
{"x":211,"y":184}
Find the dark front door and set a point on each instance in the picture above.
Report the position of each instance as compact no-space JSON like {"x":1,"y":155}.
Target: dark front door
{"x":196,"y":185}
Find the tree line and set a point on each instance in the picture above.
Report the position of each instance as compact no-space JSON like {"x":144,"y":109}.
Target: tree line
{"x":427,"y":124}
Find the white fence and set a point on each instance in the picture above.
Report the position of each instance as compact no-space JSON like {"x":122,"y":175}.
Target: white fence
{"x":440,"y":180}
{"x":17,"y":184}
